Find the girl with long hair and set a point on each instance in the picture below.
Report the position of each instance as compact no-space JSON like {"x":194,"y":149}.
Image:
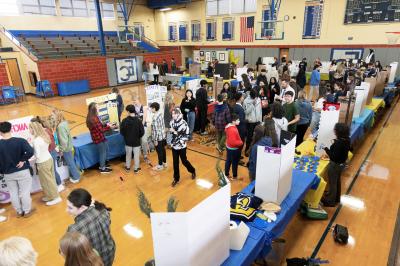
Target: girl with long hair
{"x":305,"y":111}
{"x":77,"y":251}
{"x":97,"y":130}
{"x":92,"y":219}
{"x":273,"y":89}
{"x":188,"y":106}
{"x":64,"y":144}
{"x":44,"y":163}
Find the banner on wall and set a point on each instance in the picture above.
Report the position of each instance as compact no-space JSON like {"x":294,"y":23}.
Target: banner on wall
{"x":107,"y":107}
{"x":126,"y":70}
{"x":20,"y":129}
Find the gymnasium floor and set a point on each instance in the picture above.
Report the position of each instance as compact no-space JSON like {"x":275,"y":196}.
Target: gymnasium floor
{"x":371,"y":177}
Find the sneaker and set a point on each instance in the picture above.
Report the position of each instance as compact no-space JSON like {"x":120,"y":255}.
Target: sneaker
{"x":44,"y":199}
{"x":137,"y":170}
{"x":29,"y":214}
{"x":127,"y":169}
{"x":158,"y":167}
{"x":174,"y":183}
{"x":60,"y":188}
{"x":165,"y":165}
{"x":54,"y":201}
{"x":105,"y":170}
{"x":2,"y":218}
{"x":20,"y":214}
{"x":74,"y":181}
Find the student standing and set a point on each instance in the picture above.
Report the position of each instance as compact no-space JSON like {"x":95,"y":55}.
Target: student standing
{"x":65,"y":145}
{"x":239,"y":110}
{"x":158,"y":135}
{"x":173,"y":66}
{"x":278,"y":115}
{"x":202,"y":106}
{"x":145,"y":69}
{"x":44,"y":163}
{"x":156,"y":72}
{"x":132,"y":130}
{"x":291,"y":112}
{"x":97,"y":130}
{"x":234,"y":145}
{"x":316,"y":116}
{"x":338,"y":153}
{"x":314,"y":81}
{"x":188,"y":107}
{"x":77,"y":251}
{"x":262,"y":77}
{"x":120,"y":103}
{"x":92,"y":219}
{"x":220,"y":119}
{"x":14,"y":165}
{"x":169,"y":105}
{"x":273,"y":89}
{"x":180,"y":133}
{"x":142,"y":115}
{"x":253,"y":114}
{"x":285,"y":84}
{"x":305,"y":111}
{"x":301,"y":78}
{"x":164,"y":67}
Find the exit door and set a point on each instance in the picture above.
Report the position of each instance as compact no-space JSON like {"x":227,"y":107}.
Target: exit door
{"x":283,"y":52}
{"x":14,"y":72}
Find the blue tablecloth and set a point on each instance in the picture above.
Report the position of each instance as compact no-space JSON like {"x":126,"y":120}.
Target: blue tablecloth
{"x":86,"y":154}
{"x":356,"y":132}
{"x":301,"y":182}
{"x":388,"y":96}
{"x":234,"y":83}
{"x":73,"y":87}
{"x":366,"y":118}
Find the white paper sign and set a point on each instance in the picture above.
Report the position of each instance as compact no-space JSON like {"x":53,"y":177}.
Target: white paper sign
{"x":197,"y":237}
{"x":393,"y":70}
{"x":193,"y":85}
{"x":126,"y":69}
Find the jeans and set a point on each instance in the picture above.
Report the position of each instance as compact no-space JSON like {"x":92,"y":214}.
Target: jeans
{"x":19,"y":185}
{"x":128,"y":156}
{"x":176,"y":154}
{"x":191,"y":118}
{"x":161,"y":153}
{"x":311,"y":93}
{"x":73,"y":169}
{"x":316,"y":116}
{"x":54,"y":155}
{"x":232,"y":158}
{"x":102,"y":149}
{"x":221,"y":138}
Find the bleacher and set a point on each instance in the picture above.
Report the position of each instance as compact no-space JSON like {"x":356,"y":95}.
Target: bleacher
{"x":63,"y":44}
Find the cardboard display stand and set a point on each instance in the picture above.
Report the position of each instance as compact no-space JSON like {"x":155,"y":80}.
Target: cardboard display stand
{"x":344,"y":106}
{"x":200,"y":236}
{"x":325,"y":132}
{"x":393,"y":70}
{"x":380,"y":82}
{"x":20,"y":129}
{"x":274,"y":183}
{"x":107,"y":107}
{"x":372,"y":84}
{"x":361,"y":93}
{"x":218,"y":85}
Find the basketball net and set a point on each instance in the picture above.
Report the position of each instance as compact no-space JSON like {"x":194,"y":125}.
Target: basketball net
{"x":392,"y":37}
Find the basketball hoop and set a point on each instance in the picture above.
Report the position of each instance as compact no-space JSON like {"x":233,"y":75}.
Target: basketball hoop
{"x":392,"y":37}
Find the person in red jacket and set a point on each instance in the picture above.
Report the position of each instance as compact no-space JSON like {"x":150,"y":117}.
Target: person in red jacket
{"x":97,"y":130}
{"x":233,"y":146}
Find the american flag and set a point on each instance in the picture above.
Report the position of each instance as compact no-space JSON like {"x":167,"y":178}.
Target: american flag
{"x":246,"y":29}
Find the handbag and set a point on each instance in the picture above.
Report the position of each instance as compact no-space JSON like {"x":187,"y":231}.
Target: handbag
{"x":340,"y":234}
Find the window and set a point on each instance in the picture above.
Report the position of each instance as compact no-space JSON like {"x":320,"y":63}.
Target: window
{"x":39,"y":7}
{"x":73,"y":8}
{"x":267,"y":27}
{"x":196,"y":37}
{"x":107,"y":9}
{"x":227,"y":7}
{"x":183,"y":31}
{"x":138,"y":29}
{"x":172,"y":32}
{"x":227,"y":29}
{"x":9,"y":8}
{"x":211,"y":30}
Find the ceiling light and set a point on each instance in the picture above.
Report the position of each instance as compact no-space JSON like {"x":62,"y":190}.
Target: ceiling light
{"x":166,"y":9}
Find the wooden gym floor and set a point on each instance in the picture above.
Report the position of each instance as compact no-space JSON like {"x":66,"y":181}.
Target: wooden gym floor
{"x":372,"y":177}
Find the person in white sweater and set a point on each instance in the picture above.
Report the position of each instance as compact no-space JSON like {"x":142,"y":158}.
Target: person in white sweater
{"x":44,"y":163}
{"x":278,"y":115}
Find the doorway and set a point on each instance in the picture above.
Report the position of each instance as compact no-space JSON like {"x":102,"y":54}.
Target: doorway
{"x":283,"y":52}
{"x":14,"y":72}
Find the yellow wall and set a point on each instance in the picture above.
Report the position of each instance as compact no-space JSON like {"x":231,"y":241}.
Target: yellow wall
{"x":333,"y":32}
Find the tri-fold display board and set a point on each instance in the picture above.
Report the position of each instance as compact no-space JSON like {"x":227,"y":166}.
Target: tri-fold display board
{"x":326,"y":132}
{"x":198,"y":237}
{"x":107,"y":107}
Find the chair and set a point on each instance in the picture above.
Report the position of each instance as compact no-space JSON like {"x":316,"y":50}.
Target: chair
{"x":43,"y":89}
{"x":20,"y":93}
{"x":9,"y":94}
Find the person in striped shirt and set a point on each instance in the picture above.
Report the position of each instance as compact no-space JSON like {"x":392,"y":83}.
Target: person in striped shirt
{"x":158,"y":135}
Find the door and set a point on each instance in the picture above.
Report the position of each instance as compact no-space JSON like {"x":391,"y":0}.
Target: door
{"x":283,"y":52}
{"x":15,"y":74}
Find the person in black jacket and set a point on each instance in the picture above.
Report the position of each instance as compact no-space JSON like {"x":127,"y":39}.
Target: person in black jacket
{"x":132,"y":130}
{"x":273,"y":89}
{"x":202,"y":106}
{"x":262,"y":77}
{"x":337,"y":153}
{"x":301,"y":78}
{"x":188,"y":106}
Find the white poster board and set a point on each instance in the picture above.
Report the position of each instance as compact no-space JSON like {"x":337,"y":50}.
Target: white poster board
{"x":325,"y":132}
{"x":156,"y":93}
{"x":268,"y":61}
{"x":197,"y":237}
{"x":274,"y":183}
{"x":239,"y":72}
{"x":20,"y":129}
{"x":272,"y":73}
{"x":193,"y":85}
{"x":107,"y":107}
{"x":325,"y":67}
{"x":126,"y":69}
{"x":361,"y":98}
{"x":393,"y":70}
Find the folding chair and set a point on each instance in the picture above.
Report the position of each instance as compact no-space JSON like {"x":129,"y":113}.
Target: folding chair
{"x":46,"y":88}
{"x":9,"y":94}
{"x":20,"y":93}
